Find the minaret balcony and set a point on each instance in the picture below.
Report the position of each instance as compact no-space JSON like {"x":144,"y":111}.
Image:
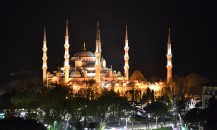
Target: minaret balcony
{"x":169,"y":55}
{"x":44,"y":58}
{"x":126,"y":48}
{"x":66,"y":45}
{"x":44,"y":67}
{"x":66,"y":56}
{"x":126,"y":57}
{"x":44,"y":49}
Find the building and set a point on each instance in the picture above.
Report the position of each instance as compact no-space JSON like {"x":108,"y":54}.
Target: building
{"x":209,"y":90}
{"x":85,"y":65}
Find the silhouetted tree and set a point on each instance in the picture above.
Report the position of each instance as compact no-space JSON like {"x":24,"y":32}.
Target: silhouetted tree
{"x":91,"y":89}
{"x":152,"y":96}
{"x":158,"y":109}
{"x":211,"y":114}
{"x":148,"y":93}
{"x":165,"y":99}
{"x":195,"y":117}
{"x":55,"y":102}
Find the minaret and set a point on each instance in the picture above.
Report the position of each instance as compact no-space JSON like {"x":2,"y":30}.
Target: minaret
{"x":44,"y":58}
{"x":66,"y":56}
{"x":98,"y":54}
{"x":84,"y":46}
{"x":169,"y":60}
{"x":126,"y":57}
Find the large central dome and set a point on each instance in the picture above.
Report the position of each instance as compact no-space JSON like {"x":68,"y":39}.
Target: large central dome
{"x":84,"y":56}
{"x":84,"y":53}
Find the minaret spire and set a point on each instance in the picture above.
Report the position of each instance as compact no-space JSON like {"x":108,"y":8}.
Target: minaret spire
{"x":98,"y":54}
{"x":44,"y":57}
{"x":169,"y":59}
{"x":126,"y":57}
{"x":126,"y":35}
{"x":100,"y":49}
{"x":67,"y":28}
{"x":84,"y":46}
{"x":66,"y":56}
{"x":97,"y":38}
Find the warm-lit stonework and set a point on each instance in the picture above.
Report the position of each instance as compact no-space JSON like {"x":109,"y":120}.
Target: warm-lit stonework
{"x":85,"y":65}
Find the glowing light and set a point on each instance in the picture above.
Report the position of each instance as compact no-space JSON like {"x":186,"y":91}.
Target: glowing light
{"x":22,"y":114}
{"x":2,"y":115}
{"x":107,"y":85}
{"x":154,"y":87}
{"x":116,"y":84}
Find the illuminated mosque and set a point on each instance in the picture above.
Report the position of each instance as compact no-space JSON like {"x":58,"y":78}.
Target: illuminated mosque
{"x":85,"y":65}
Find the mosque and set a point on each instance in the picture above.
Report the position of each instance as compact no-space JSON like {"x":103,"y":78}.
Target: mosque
{"x":85,"y":65}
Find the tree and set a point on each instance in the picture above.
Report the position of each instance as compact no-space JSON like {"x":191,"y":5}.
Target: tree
{"x":211,"y":114}
{"x":181,"y":104}
{"x":158,"y":109}
{"x":118,"y":105}
{"x":91,"y":89}
{"x":152,"y":96}
{"x":103,"y":103}
{"x":76,"y":106}
{"x":195,"y":117}
{"x":29,"y":101}
{"x":147,"y":96}
{"x":89,"y":110}
{"x":166,"y":100}
{"x":55,"y":103}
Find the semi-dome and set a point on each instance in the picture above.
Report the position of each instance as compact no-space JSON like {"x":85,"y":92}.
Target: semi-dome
{"x":84,"y":53}
{"x":75,"y":74}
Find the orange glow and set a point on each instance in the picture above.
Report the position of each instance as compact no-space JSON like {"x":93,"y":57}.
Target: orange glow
{"x":154,"y":87}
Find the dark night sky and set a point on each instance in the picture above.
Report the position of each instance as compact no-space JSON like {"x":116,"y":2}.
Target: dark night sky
{"x":193,"y":26}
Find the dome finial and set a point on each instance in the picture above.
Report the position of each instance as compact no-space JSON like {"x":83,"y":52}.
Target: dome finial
{"x":84,"y":46}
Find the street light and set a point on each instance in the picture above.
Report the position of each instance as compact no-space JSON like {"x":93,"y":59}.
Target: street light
{"x":148,"y":119}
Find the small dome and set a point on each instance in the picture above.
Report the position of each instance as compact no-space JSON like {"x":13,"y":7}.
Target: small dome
{"x":84,"y":53}
{"x":75,"y":74}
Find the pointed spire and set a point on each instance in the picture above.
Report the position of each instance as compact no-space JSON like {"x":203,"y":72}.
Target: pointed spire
{"x":45,"y":34}
{"x":169,"y":38}
{"x":99,"y":35}
{"x":67,"y":28}
{"x":84,"y":46}
{"x":126,"y":35}
{"x":97,"y":32}
{"x":100,"y":49}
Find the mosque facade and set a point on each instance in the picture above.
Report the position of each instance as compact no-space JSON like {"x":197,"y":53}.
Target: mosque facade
{"x":85,"y":65}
